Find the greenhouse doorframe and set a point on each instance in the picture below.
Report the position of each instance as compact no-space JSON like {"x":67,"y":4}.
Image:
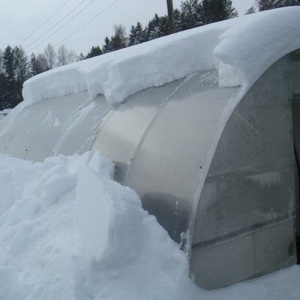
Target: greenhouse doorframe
{"x":296,"y":135}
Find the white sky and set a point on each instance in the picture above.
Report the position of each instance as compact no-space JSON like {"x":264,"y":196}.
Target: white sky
{"x":19,"y":19}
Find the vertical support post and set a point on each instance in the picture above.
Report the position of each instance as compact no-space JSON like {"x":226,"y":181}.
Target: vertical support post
{"x":171,"y":16}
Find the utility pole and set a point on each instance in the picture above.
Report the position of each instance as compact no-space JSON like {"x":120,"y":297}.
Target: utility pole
{"x":171,"y":16}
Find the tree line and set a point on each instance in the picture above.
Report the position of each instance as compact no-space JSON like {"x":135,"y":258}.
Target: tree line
{"x":16,"y":66}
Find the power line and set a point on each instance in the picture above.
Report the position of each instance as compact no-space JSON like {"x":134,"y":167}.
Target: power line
{"x":62,"y":26}
{"x":54,"y":25}
{"x":45,"y":22}
{"x":101,"y":12}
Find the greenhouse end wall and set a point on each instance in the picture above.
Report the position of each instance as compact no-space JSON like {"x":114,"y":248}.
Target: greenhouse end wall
{"x":245,"y":219}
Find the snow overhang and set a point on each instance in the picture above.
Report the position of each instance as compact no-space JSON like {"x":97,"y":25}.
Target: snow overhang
{"x":240,"y":49}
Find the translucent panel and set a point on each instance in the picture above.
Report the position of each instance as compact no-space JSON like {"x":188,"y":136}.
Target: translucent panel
{"x":14,"y":136}
{"x":81,"y":130}
{"x":167,"y":165}
{"x":255,"y":252}
{"x":59,"y":111}
{"x":123,"y":129}
{"x":59,"y":125}
{"x":249,"y":188}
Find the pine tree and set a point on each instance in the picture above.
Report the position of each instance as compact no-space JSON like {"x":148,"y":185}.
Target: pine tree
{"x":81,"y":57}
{"x":177,"y":20}
{"x":95,"y":51}
{"x":43,"y":62}
{"x":119,"y":39}
{"x":9,"y":66}
{"x":13,"y":75}
{"x":21,"y":65}
{"x":157,"y":27}
{"x":217,"y":10}
{"x":4,"y":103}
{"x":21,"y":71}
{"x":191,"y":14}
{"x":250,"y":10}
{"x":34,"y":64}
{"x":1,"y":61}
{"x":137,"y":35}
{"x":270,"y":4}
{"x":107,"y":47}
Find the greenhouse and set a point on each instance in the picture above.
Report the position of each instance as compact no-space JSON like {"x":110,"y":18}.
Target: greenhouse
{"x":210,"y":140}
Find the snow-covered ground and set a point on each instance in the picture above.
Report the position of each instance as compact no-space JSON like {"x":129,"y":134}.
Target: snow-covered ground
{"x":68,"y":231}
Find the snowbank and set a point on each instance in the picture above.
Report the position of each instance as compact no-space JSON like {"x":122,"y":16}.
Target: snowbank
{"x":67,"y":231}
{"x":241,"y":49}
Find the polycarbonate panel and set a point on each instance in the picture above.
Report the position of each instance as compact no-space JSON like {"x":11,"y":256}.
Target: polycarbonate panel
{"x":237,"y":259}
{"x":72,"y":132}
{"x":14,"y":135}
{"x":58,"y":125}
{"x":166,"y":167}
{"x":250,"y":186}
{"x":124,"y":128}
{"x":81,"y":130}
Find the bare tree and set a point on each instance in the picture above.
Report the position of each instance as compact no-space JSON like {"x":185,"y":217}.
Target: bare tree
{"x":65,"y":56}
{"x":43,"y":62}
{"x":50,"y":55}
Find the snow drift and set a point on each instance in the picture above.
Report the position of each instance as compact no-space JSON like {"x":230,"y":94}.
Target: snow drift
{"x":69,"y":232}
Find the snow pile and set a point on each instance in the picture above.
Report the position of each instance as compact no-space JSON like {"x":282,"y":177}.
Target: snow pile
{"x":241,"y":49}
{"x":67,"y":231}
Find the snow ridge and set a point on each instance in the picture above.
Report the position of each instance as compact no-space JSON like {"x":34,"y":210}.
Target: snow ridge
{"x":241,"y":49}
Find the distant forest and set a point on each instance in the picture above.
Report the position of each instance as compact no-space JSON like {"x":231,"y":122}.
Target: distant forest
{"x":16,"y":66}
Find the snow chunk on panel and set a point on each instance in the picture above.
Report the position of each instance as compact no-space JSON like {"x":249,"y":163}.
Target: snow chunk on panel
{"x":256,"y":43}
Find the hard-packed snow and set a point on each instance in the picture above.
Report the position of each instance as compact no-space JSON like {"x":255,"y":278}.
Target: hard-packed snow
{"x":240,"y":49}
{"x":68,"y":231}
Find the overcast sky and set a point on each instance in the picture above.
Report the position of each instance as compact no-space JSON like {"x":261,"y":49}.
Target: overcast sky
{"x":20,"y":19}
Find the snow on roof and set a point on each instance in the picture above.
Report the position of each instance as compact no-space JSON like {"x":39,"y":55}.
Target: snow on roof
{"x":241,"y":49}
